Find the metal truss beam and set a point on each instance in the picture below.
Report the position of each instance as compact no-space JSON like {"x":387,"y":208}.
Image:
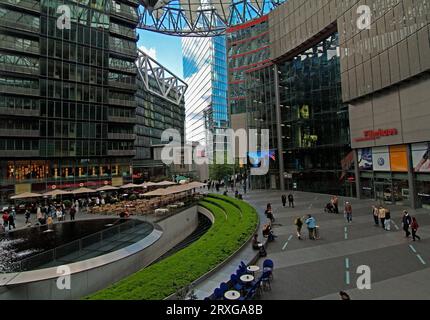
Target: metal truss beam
{"x":200,"y":18}
{"x":167,"y":85}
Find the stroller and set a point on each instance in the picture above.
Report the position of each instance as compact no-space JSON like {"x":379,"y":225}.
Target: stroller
{"x":329,"y":208}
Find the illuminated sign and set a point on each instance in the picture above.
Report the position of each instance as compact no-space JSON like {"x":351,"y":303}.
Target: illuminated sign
{"x":370,"y":135}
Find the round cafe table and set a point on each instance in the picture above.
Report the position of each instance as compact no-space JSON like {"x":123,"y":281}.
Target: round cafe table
{"x":253,"y":269}
{"x":247,"y":278}
{"x":232,"y":295}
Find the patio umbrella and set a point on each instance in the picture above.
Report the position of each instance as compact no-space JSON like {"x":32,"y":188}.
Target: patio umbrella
{"x":158,"y":192}
{"x":107,"y":188}
{"x":196,"y":184}
{"x":130,"y":186}
{"x":165,"y":183}
{"x":148,"y":184}
{"x":26,"y":195}
{"x":55,"y":193}
{"x":83,"y":190}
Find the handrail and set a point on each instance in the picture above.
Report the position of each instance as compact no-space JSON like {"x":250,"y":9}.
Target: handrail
{"x":53,"y":254}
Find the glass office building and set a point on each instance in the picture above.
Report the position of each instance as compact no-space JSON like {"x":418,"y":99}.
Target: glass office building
{"x":315,"y":127}
{"x":205,"y":72}
{"x":252,"y":94}
{"x":67,"y":94}
{"x":160,"y":106}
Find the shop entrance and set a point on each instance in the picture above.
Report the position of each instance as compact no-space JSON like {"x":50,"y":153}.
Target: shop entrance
{"x":383,"y":192}
{"x":394,"y":190}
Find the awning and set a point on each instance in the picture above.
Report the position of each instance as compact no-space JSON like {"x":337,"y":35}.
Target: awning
{"x":130,"y":186}
{"x":107,"y":188}
{"x":26,"y":195}
{"x":83,"y":190}
{"x":55,"y":193}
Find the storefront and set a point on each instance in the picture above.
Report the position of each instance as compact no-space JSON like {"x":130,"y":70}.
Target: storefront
{"x":386,"y":174}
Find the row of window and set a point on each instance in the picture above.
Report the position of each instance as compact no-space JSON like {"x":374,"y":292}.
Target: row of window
{"x":74,"y":53}
{"x":73,"y":72}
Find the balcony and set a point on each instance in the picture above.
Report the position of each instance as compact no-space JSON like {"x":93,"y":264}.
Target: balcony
{"x":31,"y":5}
{"x":20,"y":153}
{"x":19,"y":69}
{"x":13,"y":46}
{"x":130,"y":17}
{"x":19,"y":133}
{"x":130,"y":34}
{"x":123,"y":51}
{"x":20,"y":112}
{"x":123,"y":69}
{"x":121,"y":136}
{"x":19,"y":26}
{"x":19,"y":90}
{"x":123,"y":103}
{"x":123,"y":85}
{"x":121,"y":119}
{"x":119,"y":153}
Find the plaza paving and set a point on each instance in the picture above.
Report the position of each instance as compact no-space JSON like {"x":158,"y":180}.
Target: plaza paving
{"x":306,"y":269}
{"x":320,"y":269}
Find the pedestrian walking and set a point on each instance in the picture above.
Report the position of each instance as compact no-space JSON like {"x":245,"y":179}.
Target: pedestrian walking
{"x":375,"y":213}
{"x":406,"y":222}
{"x":387,"y":222}
{"x":5,"y":218}
{"x":311,"y":223}
{"x":299,"y":224}
{"x":11,"y":222}
{"x":414,"y":227}
{"x":290,"y":201}
{"x":27,"y":216}
{"x":284,"y":200}
{"x":72,"y":213}
{"x":381,"y":216}
{"x":348,"y":212}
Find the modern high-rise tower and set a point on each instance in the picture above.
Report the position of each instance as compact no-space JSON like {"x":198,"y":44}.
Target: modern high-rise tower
{"x":205,"y":72}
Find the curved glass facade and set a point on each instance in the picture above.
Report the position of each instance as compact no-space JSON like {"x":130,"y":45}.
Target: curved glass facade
{"x":315,"y":125}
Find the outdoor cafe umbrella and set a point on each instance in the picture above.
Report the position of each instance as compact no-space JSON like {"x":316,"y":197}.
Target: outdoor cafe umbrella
{"x":55,"y":193}
{"x":165,"y":183}
{"x":158,"y":192}
{"x":107,"y":188}
{"x":148,"y":184}
{"x":130,"y":186}
{"x":25,"y":195}
{"x":83,"y":190}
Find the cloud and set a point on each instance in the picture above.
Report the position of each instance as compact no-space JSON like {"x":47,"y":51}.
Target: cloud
{"x":152,"y":52}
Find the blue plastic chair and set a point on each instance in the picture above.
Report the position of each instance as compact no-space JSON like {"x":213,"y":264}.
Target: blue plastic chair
{"x":268,"y":266}
{"x":265,"y":280}
{"x":224,"y":288}
{"x":218,"y":294}
{"x":235,"y":282}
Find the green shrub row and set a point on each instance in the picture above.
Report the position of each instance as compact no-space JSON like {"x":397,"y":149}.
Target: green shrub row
{"x":166,"y":277}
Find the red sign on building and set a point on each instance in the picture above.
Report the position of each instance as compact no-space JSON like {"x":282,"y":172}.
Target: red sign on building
{"x":370,"y":135}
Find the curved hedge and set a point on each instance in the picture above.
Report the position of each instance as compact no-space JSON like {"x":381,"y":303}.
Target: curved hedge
{"x":166,"y":277}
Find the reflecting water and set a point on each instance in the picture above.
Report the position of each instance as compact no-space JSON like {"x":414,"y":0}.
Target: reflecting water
{"x":20,"y":244}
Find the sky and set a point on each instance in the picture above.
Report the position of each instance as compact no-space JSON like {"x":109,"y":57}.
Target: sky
{"x":165,"y":49}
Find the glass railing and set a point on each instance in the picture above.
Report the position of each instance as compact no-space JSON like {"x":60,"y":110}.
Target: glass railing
{"x":124,"y":103}
{"x":18,"y":90}
{"x":127,"y":51}
{"x":19,"y":46}
{"x":27,"y":4}
{"x":19,"y":69}
{"x":121,"y":119}
{"x":19,"y":25}
{"x":130,"y":15}
{"x":75,"y":248}
{"x":122,"y":85}
{"x":19,"y":112}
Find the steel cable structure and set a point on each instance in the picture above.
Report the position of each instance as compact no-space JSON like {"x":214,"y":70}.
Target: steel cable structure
{"x":200,"y":17}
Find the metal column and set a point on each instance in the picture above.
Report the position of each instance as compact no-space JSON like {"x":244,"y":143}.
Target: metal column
{"x":279,"y":129}
{"x":357,"y":175}
{"x":411,"y":179}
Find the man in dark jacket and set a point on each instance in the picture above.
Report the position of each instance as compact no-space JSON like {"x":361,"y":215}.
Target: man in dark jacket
{"x":406,"y":221}
{"x":290,"y":200}
{"x":284,"y":200}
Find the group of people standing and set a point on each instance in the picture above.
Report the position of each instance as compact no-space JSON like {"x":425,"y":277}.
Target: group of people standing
{"x":382,"y":216}
{"x":8,"y":218}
